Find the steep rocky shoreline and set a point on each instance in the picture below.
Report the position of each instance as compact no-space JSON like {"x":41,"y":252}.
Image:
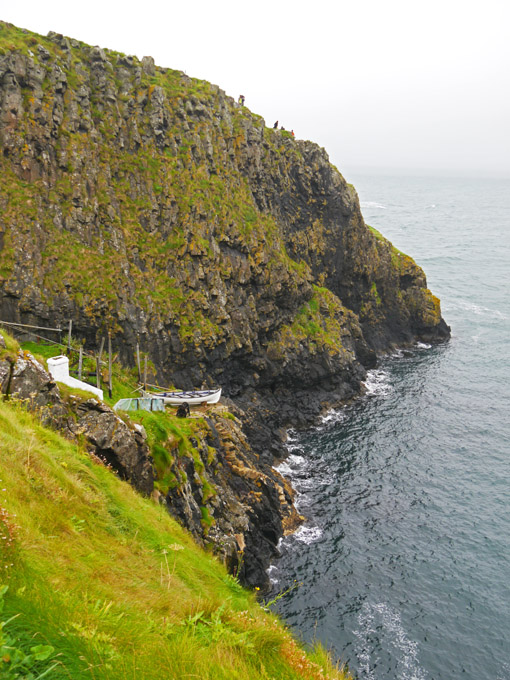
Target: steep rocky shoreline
{"x":138,"y":201}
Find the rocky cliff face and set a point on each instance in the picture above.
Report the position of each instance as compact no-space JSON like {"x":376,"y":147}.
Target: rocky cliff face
{"x":136,"y":198}
{"x":139,"y":201}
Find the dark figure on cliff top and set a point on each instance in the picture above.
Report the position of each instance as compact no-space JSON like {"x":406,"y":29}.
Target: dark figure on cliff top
{"x":275,"y":126}
{"x":241,"y":99}
{"x":183,"y":410}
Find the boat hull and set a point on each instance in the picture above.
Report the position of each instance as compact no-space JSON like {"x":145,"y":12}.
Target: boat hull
{"x":192,"y":397}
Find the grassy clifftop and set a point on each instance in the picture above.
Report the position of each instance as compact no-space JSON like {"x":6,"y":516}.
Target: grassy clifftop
{"x":104,"y":584}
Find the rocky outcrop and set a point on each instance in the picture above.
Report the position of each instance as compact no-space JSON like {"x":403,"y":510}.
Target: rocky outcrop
{"x":23,"y":377}
{"x":229,"y":498}
{"x":119,"y":444}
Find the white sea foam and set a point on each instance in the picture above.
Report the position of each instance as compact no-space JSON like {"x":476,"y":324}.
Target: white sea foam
{"x":284,"y":469}
{"x":292,"y":437}
{"x":302,"y":484}
{"x":383,"y":621}
{"x":308,"y":534}
{"x":294,"y":468}
{"x":504,"y":672}
{"x":292,"y":442}
{"x":480,"y":310}
{"x":377,"y":382}
{"x":272,"y":573}
{"x":293,"y":445}
{"x":332,"y":417}
{"x":423,"y":345}
{"x":292,"y":465}
{"x":295,"y":460}
{"x":372,"y":204}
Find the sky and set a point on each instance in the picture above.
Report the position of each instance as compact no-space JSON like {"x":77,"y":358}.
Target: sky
{"x":383,"y":85}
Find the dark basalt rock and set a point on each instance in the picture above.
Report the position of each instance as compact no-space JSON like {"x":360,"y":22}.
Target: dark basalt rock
{"x":250,"y":509}
{"x":22,"y":376}
{"x":122,"y":446}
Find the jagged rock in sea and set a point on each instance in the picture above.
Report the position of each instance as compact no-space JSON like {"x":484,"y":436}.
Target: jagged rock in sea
{"x":139,"y":201}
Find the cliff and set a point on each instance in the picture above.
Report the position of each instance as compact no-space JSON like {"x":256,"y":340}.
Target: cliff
{"x":139,"y":201}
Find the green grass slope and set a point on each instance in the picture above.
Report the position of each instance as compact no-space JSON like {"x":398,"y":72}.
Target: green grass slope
{"x":102,"y":583}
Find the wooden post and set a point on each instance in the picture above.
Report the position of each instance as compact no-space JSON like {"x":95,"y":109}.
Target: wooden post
{"x":80,"y":362}
{"x":98,"y":364}
{"x":138,"y":363}
{"x":69,"y":337}
{"x":109,"y":365}
{"x":11,"y":363}
{"x":101,"y":347}
{"x":145,"y":374}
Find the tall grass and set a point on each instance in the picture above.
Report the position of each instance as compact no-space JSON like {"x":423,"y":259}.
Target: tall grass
{"x":112,"y":584}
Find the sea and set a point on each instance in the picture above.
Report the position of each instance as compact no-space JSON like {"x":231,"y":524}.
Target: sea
{"x":402,"y":568}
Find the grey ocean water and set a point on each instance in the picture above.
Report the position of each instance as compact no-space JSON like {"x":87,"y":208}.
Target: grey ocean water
{"x":405,"y":558}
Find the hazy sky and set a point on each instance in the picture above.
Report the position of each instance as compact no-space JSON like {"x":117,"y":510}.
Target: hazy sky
{"x":396,"y":84}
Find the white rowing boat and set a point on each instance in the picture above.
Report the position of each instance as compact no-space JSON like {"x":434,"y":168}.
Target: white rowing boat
{"x":190,"y":397}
